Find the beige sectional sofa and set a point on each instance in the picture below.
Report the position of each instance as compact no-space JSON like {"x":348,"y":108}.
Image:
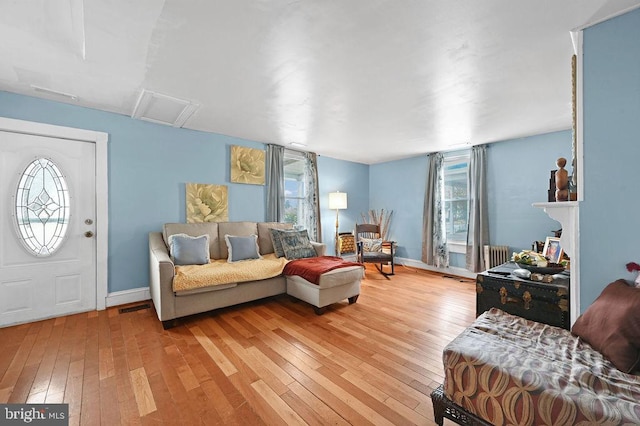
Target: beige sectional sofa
{"x":170,"y":304}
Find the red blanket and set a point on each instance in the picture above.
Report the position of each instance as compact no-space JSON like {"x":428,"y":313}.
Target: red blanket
{"x":312,"y":267}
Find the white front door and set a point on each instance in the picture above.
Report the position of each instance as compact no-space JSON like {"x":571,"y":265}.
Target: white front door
{"x":47,"y":246}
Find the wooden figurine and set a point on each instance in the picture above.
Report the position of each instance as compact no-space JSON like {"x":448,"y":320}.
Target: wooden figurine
{"x":562,"y":180}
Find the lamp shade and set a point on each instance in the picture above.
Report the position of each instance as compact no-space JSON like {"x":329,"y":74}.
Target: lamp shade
{"x":337,"y":200}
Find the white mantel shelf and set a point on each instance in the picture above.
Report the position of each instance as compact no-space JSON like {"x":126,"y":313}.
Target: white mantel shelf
{"x":565,"y":212}
{"x":568,"y":214}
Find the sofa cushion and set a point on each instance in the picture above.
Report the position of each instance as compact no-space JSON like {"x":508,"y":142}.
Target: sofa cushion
{"x":240,"y":229}
{"x":187,"y":250}
{"x":195,"y":230}
{"x":611,"y":325}
{"x":296,"y":245}
{"x":264,"y":235}
{"x":341,"y":276}
{"x":242,"y":248}
{"x":276,"y":239}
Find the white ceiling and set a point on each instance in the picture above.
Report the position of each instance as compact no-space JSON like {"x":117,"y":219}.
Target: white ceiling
{"x":359,"y":80}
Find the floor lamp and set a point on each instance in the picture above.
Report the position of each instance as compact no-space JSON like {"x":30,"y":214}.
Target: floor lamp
{"x":337,"y":202}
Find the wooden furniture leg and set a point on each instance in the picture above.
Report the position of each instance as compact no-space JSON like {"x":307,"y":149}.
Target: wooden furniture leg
{"x":320,"y":311}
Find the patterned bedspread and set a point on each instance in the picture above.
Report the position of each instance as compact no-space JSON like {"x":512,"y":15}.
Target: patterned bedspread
{"x":219,"y":272}
{"x":508,"y":370}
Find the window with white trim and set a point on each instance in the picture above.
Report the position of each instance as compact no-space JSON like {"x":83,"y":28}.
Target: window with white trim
{"x":456,"y":198}
{"x":294,"y":187}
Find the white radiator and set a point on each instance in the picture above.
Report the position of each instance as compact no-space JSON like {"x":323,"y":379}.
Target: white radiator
{"x":495,"y":255}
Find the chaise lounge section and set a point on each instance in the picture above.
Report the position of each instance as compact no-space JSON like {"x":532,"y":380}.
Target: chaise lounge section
{"x":323,"y":280}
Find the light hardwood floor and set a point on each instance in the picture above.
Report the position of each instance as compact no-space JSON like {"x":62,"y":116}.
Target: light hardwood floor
{"x":268,"y":362}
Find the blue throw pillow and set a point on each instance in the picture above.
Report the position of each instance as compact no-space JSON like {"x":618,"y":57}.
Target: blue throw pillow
{"x":296,"y":245}
{"x":242,"y":248}
{"x":276,"y":239}
{"x":188,"y":250}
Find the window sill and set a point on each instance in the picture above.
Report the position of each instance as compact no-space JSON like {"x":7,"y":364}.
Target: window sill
{"x":457,"y":247}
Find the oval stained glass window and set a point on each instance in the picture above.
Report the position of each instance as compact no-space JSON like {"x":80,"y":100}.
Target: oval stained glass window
{"x":42,"y":207}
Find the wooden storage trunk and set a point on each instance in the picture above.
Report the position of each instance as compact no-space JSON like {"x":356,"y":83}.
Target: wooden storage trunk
{"x":536,"y":301}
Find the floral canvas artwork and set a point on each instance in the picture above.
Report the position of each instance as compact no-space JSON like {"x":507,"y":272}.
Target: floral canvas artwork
{"x":247,"y":165}
{"x":207,"y":203}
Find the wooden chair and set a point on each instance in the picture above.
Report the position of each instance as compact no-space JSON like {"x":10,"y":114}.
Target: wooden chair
{"x":368,"y":250}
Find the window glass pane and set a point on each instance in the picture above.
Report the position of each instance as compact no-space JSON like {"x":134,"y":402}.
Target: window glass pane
{"x":42,"y":207}
{"x":292,"y":210}
{"x":456,"y":198}
{"x":294,"y":186}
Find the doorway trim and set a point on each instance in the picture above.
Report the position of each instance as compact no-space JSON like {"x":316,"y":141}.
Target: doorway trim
{"x":100,"y":139}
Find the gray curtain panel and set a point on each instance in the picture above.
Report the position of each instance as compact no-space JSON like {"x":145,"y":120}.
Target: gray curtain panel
{"x":434,"y":235}
{"x":312,"y":201}
{"x":478,"y":223}
{"x":275,"y":183}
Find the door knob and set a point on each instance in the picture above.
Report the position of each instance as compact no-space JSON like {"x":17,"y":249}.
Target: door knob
{"x":88,"y":234}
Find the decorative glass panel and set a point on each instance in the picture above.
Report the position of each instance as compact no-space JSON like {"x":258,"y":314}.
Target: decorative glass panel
{"x":42,"y":207}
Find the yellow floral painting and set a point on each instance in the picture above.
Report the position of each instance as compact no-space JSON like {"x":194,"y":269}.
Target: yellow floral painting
{"x":207,"y":203}
{"x":247,"y":165}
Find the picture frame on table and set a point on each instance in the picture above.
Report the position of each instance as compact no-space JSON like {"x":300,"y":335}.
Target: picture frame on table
{"x":552,"y":250}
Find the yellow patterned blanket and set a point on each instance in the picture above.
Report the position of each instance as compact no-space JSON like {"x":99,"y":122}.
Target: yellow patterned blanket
{"x":190,"y":277}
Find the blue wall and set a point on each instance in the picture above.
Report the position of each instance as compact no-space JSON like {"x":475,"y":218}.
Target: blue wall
{"x":518,"y":175}
{"x":608,"y":216}
{"x":344,"y":176}
{"x":399,"y":186}
{"x":149,"y":165}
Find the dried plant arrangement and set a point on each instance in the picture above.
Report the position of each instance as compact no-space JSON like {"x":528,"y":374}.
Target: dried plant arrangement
{"x":381,"y":218}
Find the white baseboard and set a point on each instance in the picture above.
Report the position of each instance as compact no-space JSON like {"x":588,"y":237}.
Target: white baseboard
{"x":143,"y":293}
{"x":461,"y":272}
{"x":128,"y":296}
